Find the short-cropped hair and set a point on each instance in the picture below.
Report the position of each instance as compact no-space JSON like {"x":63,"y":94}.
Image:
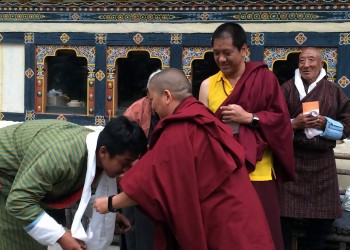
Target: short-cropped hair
{"x":120,"y":135}
{"x":233,"y":30}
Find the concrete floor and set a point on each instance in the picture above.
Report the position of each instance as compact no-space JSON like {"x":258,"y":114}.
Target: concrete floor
{"x":57,"y":247}
{"x":343,"y":148}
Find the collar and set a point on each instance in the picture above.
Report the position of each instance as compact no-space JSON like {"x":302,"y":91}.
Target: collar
{"x":300,"y":86}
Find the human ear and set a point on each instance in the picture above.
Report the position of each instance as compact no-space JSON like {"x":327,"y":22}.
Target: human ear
{"x":168,"y":96}
{"x":102,"y":152}
{"x":244,"y":50}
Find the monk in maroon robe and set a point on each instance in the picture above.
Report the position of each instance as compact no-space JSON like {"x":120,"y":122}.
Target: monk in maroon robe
{"x":247,"y":96}
{"x":192,"y":182}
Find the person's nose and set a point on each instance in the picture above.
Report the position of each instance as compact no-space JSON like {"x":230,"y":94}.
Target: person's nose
{"x":307,"y":63}
{"x":221,"y":57}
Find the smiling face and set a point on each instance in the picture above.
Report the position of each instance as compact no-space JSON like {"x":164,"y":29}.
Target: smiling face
{"x":310,"y":64}
{"x":228,"y":58}
{"x":115,"y":165}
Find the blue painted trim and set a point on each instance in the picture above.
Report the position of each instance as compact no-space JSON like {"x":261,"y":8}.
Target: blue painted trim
{"x":17,"y":117}
{"x":271,"y":39}
{"x":176,"y":56}
{"x":343,"y":66}
{"x":29,"y":83}
{"x":256,"y":53}
{"x":100,"y":86}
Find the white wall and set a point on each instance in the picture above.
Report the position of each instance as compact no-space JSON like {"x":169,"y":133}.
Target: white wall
{"x":12,"y":78}
{"x":173,"y":27}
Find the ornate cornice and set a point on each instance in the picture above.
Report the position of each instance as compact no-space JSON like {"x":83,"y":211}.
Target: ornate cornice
{"x":175,"y":11}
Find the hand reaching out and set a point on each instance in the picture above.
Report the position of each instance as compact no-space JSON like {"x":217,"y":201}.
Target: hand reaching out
{"x":118,"y":201}
{"x":101,"y":205}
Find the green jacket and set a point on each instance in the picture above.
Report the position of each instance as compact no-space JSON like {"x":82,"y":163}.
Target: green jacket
{"x":40,"y":161}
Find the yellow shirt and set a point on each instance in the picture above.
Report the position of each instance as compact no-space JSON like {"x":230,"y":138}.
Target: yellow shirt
{"x":218,"y":85}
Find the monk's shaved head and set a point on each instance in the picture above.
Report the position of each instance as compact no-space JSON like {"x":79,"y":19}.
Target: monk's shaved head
{"x":173,"y":80}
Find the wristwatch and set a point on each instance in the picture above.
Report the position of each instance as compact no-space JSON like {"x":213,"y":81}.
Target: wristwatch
{"x":110,"y":207}
{"x":255,"y":121}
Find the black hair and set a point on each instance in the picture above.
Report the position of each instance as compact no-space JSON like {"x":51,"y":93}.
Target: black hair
{"x":233,"y":30}
{"x":120,"y":135}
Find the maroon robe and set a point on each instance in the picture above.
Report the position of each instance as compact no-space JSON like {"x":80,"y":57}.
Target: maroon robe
{"x":140,"y":112}
{"x":258,"y":91}
{"x":192,"y":182}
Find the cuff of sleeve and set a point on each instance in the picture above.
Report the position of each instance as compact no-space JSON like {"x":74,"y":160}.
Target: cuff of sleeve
{"x":333,"y":130}
{"x":45,"y":230}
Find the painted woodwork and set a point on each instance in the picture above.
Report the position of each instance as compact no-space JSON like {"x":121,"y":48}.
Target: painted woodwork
{"x":177,"y":49}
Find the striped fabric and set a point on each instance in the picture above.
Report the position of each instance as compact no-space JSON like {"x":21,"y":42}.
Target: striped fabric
{"x":12,"y":235}
{"x":315,"y":191}
{"x":39,"y":160}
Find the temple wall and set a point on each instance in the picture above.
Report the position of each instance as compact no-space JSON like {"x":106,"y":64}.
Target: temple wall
{"x":173,"y":27}
{"x":175,"y":32}
{"x":11,"y":78}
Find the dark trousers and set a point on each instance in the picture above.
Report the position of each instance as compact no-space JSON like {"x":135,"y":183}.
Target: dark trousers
{"x":141,"y":235}
{"x":316,"y":231}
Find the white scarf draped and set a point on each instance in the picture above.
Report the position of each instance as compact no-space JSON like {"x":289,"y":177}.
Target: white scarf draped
{"x":99,"y":234}
{"x":309,"y":132}
{"x":300,"y":86}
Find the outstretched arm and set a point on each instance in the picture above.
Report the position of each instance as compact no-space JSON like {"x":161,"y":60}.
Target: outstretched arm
{"x":118,"y":201}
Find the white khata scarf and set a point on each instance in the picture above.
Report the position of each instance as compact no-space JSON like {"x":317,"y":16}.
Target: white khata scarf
{"x":100,"y":231}
{"x":309,"y":132}
{"x":300,"y":86}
